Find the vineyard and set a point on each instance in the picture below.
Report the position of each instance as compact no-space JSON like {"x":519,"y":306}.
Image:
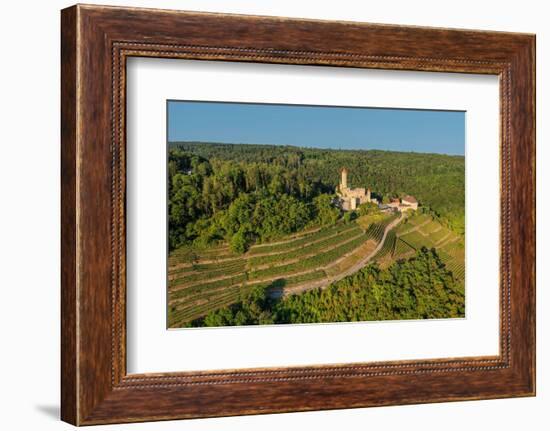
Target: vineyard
{"x":202,"y":280}
{"x":423,"y":231}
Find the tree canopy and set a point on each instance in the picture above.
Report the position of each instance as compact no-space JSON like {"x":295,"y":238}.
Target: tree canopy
{"x":266,"y":191}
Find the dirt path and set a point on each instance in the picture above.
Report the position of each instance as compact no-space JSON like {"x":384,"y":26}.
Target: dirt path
{"x":449,"y":240}
{"x":172,"y":268}
{"x":285,"y":241}
{"x":442,"y":240}
{"x":436,"y":230}
{"x":305,"y":256}
{"x":415,"y":228}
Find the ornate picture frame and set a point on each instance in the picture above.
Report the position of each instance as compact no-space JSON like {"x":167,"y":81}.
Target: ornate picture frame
{"x":96,"y":41}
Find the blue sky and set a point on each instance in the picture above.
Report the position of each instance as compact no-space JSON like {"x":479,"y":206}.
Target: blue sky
{"x":423,"y":131}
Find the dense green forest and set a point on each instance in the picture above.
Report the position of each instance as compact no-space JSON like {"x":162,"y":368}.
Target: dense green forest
{"x":244,"y":194}
{"x":417,"y":288}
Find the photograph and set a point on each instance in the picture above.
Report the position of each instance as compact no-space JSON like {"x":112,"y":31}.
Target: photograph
{"x":295,"y":214}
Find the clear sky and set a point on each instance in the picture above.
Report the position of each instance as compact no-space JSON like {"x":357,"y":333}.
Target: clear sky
{"x":423,"y":131}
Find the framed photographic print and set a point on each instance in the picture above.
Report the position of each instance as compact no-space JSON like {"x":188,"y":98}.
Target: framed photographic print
{"x":267,"y":215}
{"x":269,"y":234}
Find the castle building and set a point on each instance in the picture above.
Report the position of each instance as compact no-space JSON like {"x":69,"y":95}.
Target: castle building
{"x":350,"y":199}
{"x":409,"y":202}
{"x":404,"y":204}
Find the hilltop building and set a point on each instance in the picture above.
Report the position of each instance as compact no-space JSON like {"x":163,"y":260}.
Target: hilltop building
{"x":405,"y":204}
{"x":409,"y":202}
{"x":349,"y":199}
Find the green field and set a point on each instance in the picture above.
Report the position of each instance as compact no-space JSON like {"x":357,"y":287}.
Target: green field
{"x":202,"y":280}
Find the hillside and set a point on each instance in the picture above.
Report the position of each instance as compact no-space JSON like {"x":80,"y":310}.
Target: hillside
{"x":254,"y":228}
{"x":416,"y":288}
{"x":204,"y":282}
{"x":436,"y":180}
{"x":421,"y":230}
{"x":201,"y":281}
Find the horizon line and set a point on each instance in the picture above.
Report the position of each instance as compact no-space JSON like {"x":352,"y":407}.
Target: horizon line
{"x":314,"y":148}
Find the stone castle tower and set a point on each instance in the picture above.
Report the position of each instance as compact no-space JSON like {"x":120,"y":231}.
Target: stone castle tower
{"x":350,"y":199}
{"x":344,"y":180}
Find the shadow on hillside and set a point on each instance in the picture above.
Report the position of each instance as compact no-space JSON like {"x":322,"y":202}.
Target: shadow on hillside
{"x":275,"y":289}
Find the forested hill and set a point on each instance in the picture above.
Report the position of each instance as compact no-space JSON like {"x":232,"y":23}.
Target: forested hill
{"x":436,"y":180}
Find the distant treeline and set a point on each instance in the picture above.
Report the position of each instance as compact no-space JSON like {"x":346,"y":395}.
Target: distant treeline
{"x":418,"y":288}
{"x":242,"y":193}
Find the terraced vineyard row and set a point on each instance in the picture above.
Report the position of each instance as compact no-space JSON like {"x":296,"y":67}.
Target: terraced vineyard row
{"x":285,"y":282}
{"x":388,"y":247}
{"x":402,"y":249}
{"x":421,"y":231}
{"x":197,"y":273}
{"x":206,"y":284}
{"x":456,"y":257}
{"x":186,"y":255}
{"x":316,"y":261}
{"x":203,"y":267}
{"x":416,"y":240}
{"x":301,"y":240}
{"x":430,"y":227}
{"x":347,"y":262}
{"x":438,"y":236}
{"x":186,"y":314}
{"x":376,"y":230}
{"x":305,"y":249}
{"x":457,"y":268}
{"x":420,"y":219}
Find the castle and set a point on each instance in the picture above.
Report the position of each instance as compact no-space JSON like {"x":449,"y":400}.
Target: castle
{"x":349,"y":198}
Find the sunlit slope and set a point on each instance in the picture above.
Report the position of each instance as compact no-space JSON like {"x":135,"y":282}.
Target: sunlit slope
{"x":204,"y":280}
{"x":423,"y":231}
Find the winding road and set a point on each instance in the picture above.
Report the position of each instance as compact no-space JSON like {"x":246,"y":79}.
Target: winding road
{"x":353,"y":269}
